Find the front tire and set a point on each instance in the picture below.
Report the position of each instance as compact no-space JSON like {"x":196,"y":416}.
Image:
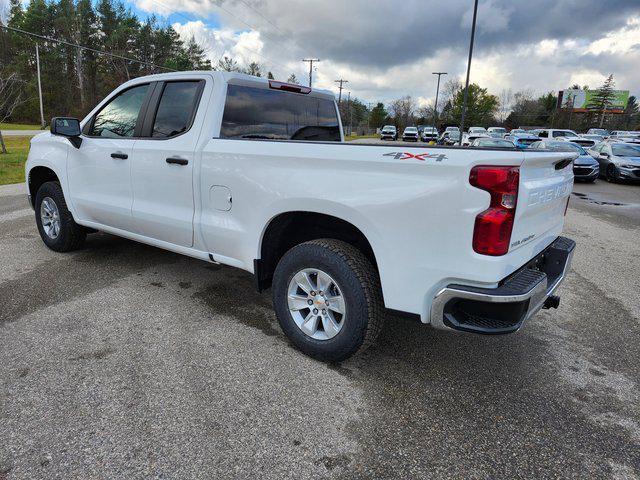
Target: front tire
{"x":55,"y":223}
{"x":612,"y":174}
{"x":328,"y":299}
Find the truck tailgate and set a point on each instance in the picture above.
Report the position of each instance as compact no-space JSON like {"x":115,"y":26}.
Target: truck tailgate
{"x":546,"y":181}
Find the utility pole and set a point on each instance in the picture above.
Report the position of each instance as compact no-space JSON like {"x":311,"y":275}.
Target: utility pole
{"x":466,"y":85}
{"x":435,"y":108}
{"x":310,"y":61}
{"x":42,"y":122}
{"x":341,"y":81}
{"x":349,"y":105}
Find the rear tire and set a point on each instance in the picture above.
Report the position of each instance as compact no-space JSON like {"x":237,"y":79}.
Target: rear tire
{"x":356,"y":282}
{"x":55,"y":223}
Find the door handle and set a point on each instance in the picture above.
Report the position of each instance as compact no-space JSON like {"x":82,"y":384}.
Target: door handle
{"x":177,"y":161}
{"x":121,"y":156}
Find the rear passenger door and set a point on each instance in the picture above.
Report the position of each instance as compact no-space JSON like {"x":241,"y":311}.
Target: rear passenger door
{"x":162,"y":171}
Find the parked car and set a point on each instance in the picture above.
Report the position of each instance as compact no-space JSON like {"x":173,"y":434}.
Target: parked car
{"x":565,"y":135}
{"x":598,"y":131}
{"x":618,"y":160}
{"x":388,"y":132}
{"x":585,"y":168}
{"x":410,"y":134}
{"x":429,"y":134}
{"x":452,"y":129}
{"x":592,"y":136}
{"x":469,"y":137}
{"x":521,"y":140}
{"x":451,"y":137}
{"x":252,"y":173}
{"x":516,"y":130}
{"x":627,"y":138}
{"x":497,"y":132}
{"x":492,"y":142}
{"x":619,"y":133}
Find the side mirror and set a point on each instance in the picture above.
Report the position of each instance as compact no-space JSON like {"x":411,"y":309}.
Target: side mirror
{"x":67,"y":127}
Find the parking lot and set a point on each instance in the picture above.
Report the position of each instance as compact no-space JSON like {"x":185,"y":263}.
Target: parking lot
{"x":126,"y":361}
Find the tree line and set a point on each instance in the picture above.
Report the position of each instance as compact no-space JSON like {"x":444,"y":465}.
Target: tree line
{"x":75,"y":79}
{"x":508,"y":109}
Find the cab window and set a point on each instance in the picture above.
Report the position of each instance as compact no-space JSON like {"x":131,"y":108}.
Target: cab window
{"x":118,"y":118}
{"x":260,"y":113}
{"x":176,"y":109}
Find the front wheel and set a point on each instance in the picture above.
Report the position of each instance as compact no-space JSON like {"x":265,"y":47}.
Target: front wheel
{"x":55,"y":223}
{"x":612,"y":173}
{"x":328,"y":299}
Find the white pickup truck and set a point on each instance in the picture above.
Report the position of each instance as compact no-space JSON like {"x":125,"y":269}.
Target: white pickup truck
{"x":255,"y":174}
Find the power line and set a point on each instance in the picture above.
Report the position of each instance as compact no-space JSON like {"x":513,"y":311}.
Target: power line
{"x":101,"y":52}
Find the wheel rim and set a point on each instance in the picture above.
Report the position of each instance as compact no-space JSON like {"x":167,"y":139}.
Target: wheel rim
{"x":316,"y":304}
{"x":50,"y":217}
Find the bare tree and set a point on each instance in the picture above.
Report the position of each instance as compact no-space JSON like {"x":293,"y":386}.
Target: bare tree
{"x":402,"y":110}
{"x":11,"y":91}
{"x":506,"y":97}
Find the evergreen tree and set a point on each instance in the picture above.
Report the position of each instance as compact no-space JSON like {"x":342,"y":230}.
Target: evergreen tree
{"x":378,"y":116}
{"x":228,"y":64}
{"x":270,"y":75}
{"x":292,"y":79}
{"x":603,"y":98}
{"x":254,"y":69}
{"x":75,"y":79}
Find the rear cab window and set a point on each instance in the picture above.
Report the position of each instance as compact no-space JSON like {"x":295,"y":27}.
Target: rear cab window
{"x":267,"y":114}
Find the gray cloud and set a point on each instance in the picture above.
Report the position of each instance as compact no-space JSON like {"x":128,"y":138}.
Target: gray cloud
{"x":384,"y":33}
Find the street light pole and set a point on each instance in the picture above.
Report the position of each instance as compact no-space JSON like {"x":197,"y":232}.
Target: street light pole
{"x":466,"y":85}
{"x":435,"y":108}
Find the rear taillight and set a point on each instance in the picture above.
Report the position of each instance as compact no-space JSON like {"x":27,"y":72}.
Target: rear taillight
{"x":492,"y":230}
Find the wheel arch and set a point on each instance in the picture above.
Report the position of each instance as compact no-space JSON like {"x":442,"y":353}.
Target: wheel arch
{"x":288,"y":229}
{"x":37,"y":176}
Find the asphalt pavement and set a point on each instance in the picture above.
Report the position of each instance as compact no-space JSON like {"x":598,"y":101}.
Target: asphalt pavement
{"x":125,"y":361}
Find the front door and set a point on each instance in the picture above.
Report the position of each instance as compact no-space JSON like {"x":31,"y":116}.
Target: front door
{"x":163,"y":166}
{"x":99,"y":172}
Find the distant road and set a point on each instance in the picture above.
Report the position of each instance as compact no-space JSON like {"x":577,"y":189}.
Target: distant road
{"x":21,"y":133}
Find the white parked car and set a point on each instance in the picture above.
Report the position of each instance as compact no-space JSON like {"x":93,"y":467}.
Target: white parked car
{"x":497,"y":132}
{"x":410,"y":134}
{"x":388,"y":132}
{"x":429,"y":134}
{"x":252,"y":173}
{"x":565,"y":135}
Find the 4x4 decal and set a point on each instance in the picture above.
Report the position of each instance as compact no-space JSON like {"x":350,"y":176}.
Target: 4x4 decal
{"x":438,"y":157}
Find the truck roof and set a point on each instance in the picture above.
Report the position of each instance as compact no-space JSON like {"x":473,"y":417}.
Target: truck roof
{"x":236,"y":78}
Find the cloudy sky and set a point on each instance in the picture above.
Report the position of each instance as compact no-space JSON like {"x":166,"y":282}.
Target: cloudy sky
{"x":388,"y":48}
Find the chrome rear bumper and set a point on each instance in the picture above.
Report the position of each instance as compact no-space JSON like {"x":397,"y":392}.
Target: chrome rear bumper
{"x":517,"y":298}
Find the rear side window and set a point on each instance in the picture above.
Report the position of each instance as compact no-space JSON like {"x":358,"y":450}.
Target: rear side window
{"x":118,"y":118}
{"x":176,"y":109}
{"x":260,"y":113}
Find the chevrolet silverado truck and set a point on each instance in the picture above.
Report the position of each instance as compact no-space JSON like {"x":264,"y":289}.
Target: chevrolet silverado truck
{"x":255,"y":174}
